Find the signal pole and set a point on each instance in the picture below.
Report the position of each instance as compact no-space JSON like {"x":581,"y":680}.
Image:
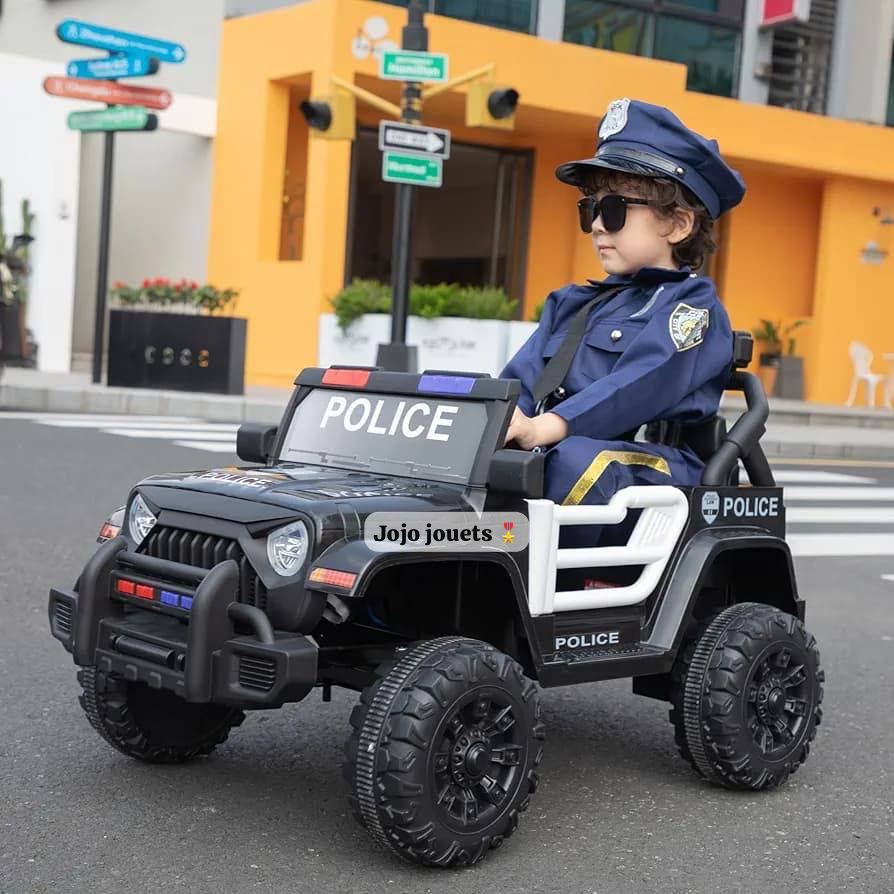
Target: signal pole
{"x":398,"y":355}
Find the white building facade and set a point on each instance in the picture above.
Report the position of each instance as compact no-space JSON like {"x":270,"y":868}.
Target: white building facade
{"x":162,"y":179}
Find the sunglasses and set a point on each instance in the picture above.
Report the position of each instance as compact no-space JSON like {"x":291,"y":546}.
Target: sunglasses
{"x":611,"y":208}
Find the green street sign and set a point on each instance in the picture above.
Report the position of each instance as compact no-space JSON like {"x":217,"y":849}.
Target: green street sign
{"x":417,"y":170}
{"x":113,"y":118}
{"x":406,"y":65}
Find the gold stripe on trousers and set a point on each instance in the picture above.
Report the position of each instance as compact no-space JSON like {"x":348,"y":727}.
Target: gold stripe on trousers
{"x":603,"y":459}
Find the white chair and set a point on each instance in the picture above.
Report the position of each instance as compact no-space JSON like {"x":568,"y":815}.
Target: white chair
{"x":861,"y":358}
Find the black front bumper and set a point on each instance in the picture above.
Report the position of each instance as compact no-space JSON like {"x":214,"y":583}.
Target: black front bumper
{"x":204,"y":660}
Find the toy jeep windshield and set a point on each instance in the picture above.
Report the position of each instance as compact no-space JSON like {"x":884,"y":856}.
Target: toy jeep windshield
{"x":235,"y":589}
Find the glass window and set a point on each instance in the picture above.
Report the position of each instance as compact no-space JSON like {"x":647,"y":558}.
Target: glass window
{"x":709,"y":52}
{"x":515,"y":15}
{"x":609,"y":26}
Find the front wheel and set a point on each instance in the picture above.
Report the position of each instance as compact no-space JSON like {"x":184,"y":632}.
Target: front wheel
{"x":152,"y":725}
{"x":747,"y":693}
{"x":443,"y":754}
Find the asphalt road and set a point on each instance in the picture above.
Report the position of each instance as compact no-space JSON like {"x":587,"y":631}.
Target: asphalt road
{"x":617,"y":810}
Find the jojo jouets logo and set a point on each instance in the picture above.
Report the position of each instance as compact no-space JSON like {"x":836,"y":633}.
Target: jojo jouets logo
{"x":451,"y":532}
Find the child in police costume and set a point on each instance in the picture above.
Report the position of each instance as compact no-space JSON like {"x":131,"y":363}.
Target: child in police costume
{"x":650,"y":342}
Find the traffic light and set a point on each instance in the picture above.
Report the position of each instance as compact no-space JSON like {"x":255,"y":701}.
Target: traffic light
{"x":489,"y":105}
{"x":331,"y":117}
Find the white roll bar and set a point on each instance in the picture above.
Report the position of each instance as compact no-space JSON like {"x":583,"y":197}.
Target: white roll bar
{"x":666,"y":511}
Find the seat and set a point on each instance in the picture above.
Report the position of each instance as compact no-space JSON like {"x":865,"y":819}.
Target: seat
{"x":861,"y":358}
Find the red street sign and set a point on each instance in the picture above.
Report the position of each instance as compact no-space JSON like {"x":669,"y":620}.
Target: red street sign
{"x":108,"y":92}
{"x":775,"y":12}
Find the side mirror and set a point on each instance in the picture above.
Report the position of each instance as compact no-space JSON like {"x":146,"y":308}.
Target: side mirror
{"x":517,"y":472}
{"x":254,"y":441}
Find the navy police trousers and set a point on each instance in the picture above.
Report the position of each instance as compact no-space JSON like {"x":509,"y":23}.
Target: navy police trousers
{"x":581,"y":470}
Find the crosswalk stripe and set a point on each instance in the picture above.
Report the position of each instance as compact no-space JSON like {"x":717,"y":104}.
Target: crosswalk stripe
{"x":809,"y":476}
{"x":99,"y":418}
{"x":212,"y":446}
{"x":839,"y":494}
{"x":836,"y":545}
{"x":831,"y":515}
{"x":889,"y":577}
{"x":173,"y":434}
{"x":148,"y":426}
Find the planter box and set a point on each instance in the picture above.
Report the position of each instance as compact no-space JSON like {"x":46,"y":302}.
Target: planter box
{"x":182,"y":352}
{"x":358,"y":346}
{"x":12,"y":346}
{"x":519,"y":332}
{"x":790,"y":378}
{"x":453,"y":343}
{"x":459,"y":344}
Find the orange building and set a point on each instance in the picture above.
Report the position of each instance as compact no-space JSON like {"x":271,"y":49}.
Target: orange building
{"x":294,"y":217}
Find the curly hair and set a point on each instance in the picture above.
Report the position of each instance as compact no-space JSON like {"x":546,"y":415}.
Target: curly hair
{"x":665,"y":196}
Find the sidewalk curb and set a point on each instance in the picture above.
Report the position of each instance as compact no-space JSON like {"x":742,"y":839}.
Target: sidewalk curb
{"x":212,"y":407}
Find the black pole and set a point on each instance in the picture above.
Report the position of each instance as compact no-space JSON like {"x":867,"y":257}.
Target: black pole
{"x":401,"y":262}
{"x":398,"y":355}
{"x":102,"y":272}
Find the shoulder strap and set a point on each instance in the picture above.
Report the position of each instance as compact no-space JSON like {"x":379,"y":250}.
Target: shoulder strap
{"x":553,"y":374}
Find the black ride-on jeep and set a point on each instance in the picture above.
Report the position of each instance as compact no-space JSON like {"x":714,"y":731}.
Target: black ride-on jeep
{"x":241,"y":588}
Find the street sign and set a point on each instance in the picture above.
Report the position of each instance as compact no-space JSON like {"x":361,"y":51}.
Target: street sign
{"x":112,"y":119}
{"x":414,"y":138}
{"x":405,"y":65}
{"x":86,"y":35}
{"x":415,"y":170}
{"x":112,"y":67}
{"x":107,"y":92}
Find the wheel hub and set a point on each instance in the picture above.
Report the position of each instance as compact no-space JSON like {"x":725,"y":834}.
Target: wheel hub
{"x":780,"y":701}
{"x":770,"y":699}
{"x":479,"y":761}
{"x":471,"y":757}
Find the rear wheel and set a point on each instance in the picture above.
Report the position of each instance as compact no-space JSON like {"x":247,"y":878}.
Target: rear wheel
{"x":747,"y":695}
{"x":152,"y":725}
{"x":443,"y":754}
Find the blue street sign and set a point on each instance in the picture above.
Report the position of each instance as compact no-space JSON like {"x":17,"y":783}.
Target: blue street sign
{"x":86,"y":35}
{"x":112,"y":67}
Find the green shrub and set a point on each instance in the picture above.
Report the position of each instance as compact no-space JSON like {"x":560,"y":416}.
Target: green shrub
{"x":368,"y":296}
{"x":362,"y":296}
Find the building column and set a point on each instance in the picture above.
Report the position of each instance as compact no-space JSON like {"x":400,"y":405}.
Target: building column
{"x":861,"y":61}
{"x":757,"y":51}
{"x":550,"y":19}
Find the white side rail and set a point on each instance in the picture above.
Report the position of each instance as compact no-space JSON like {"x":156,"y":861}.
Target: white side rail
{"x":666,"y":511}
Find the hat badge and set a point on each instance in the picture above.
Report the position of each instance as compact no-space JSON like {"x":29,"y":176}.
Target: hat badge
{"x":615,"y":119}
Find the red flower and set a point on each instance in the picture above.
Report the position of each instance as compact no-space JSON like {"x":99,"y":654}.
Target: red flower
{"x":118,"y":284}
{"x":178,"y":287}
{"x":194,"y":284}
{"x":146,"y":283}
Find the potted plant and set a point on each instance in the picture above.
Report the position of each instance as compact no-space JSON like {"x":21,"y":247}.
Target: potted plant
{"x":780,"y":370}
{"x":168,"y":334}
{"x":438,"y":324}
{"x":16,"y":346}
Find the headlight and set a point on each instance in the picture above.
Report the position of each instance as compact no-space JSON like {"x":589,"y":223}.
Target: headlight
{"x":139,"y":520}
{"x":287,"y":548}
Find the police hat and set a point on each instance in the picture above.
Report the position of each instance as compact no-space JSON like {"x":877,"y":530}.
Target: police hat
{"x":651,"y":141}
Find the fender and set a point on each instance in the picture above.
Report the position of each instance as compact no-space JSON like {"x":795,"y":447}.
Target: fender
{"x":354,"y":556}
{"x":676,"y":606}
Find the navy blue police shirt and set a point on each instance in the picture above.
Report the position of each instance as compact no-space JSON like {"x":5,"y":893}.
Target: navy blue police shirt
{"x":661,"y":349}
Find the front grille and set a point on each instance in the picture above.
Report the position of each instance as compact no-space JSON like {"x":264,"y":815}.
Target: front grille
{"x":63,"y":615}
{"x":206,"y":551}
{"x":256,"y":672}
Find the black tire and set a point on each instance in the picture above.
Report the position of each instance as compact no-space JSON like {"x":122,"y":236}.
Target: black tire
{"x":747,"y":692}
{"x":152,"y":725}
{"x":444,"y":750}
